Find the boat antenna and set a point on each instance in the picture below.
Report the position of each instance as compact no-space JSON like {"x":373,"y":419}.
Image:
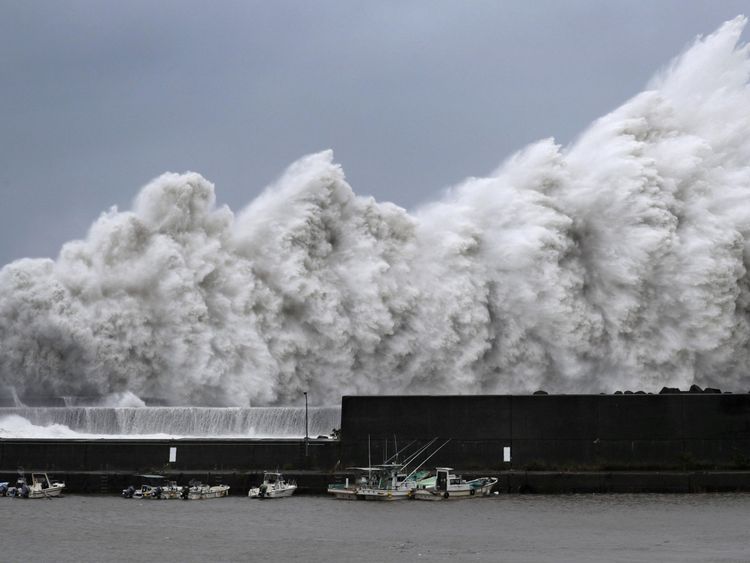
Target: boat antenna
{"x":369,"y":459}
{"x":419,"y":452}
{"x":406,"y":447}
{"x":428,"y":457}
{"x":395,"y":445}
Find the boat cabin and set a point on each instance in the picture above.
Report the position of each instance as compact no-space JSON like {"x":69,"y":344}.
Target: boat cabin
{"x":41,"y":480}
{"x":444,"y":478}
{"x":272,"y":477}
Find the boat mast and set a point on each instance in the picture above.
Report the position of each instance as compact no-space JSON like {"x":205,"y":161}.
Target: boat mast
{"x":414,"y":456}
{"x":428,"y":457}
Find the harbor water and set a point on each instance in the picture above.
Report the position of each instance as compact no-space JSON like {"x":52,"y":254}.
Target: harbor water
{"x":525,"y":528}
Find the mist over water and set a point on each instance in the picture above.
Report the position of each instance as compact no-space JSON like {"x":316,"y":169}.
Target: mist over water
{"x":618,"y":262}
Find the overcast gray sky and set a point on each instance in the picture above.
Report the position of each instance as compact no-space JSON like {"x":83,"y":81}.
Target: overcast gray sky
{"x":99,"y":97}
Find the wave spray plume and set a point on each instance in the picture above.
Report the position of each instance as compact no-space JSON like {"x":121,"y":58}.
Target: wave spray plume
{"x":617,"y":262}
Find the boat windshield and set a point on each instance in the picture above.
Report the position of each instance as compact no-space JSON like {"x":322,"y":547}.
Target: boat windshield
{"x":42,"y":480}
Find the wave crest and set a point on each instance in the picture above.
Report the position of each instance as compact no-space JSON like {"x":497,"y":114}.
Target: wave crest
{"x":619,"y":261}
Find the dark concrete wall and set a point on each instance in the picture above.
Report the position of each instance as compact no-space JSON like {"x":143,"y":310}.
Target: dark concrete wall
{"x":143,"y":456}
{"x":556,"y":431}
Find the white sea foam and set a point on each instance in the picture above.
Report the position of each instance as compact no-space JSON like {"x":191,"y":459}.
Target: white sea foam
{"x":15,"y":426}
{"x":124,"y":399}
{"x":617,"y":262}
{"x":167,"y":422}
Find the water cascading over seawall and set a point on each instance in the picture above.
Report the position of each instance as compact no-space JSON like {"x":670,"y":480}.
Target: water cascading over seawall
{"x":140,"y":422}
{"x":618,"y":262}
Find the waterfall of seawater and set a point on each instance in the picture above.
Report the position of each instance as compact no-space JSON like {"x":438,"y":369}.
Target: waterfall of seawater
{"x":131,"y":422}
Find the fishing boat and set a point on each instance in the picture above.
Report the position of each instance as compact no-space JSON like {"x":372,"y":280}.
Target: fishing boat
{"x":155,"y":488}
{"x":273,"y":486}
{"x":20,"y":489}
{"x":171,"y":491}
{"x":42,"y":487}
{"x":199,"y":491}
{"x":391,"y":480}
{"x":446,"y":485}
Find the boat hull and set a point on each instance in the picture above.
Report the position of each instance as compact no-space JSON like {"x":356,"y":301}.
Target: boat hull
{"x":343,"y":494}
{"x":171,"y":493}
{"x":218,"y":493}
{"x":46,"y":493}
{"x":273,"y":493}
{"x":383,"y":494}
{"x":463,"y":492}
{"x":205,"y":493}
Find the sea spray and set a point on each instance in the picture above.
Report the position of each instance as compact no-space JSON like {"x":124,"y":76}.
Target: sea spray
{"x":163,"y":422}
{"x":617,"y":262}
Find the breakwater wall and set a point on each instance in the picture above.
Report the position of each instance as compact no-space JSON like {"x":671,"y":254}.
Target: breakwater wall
{"x":541,"y":444}
{"x":556,"y":432}
{"x":154,"y":456}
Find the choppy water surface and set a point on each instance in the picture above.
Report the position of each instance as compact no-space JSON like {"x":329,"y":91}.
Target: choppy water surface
{"x":304,"y":528}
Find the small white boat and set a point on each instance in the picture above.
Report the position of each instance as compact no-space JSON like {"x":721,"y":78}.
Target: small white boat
{"x":20,"y":489}
{"x":199,"y":491}
{"x":155,"y":488}
{"x":446,"y":485}
{"x":152,"y":492}
{"x":42,"y":487}
{"x":171,"y":491}
{"x":273,"y":486}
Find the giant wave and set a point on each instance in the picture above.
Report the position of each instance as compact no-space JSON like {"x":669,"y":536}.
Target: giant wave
{"x":619,"y":261}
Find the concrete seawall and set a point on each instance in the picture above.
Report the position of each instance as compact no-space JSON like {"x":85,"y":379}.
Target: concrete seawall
{"x":557,"y":432}
{"x":555,"y":444}
{"x":142,"y":456}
